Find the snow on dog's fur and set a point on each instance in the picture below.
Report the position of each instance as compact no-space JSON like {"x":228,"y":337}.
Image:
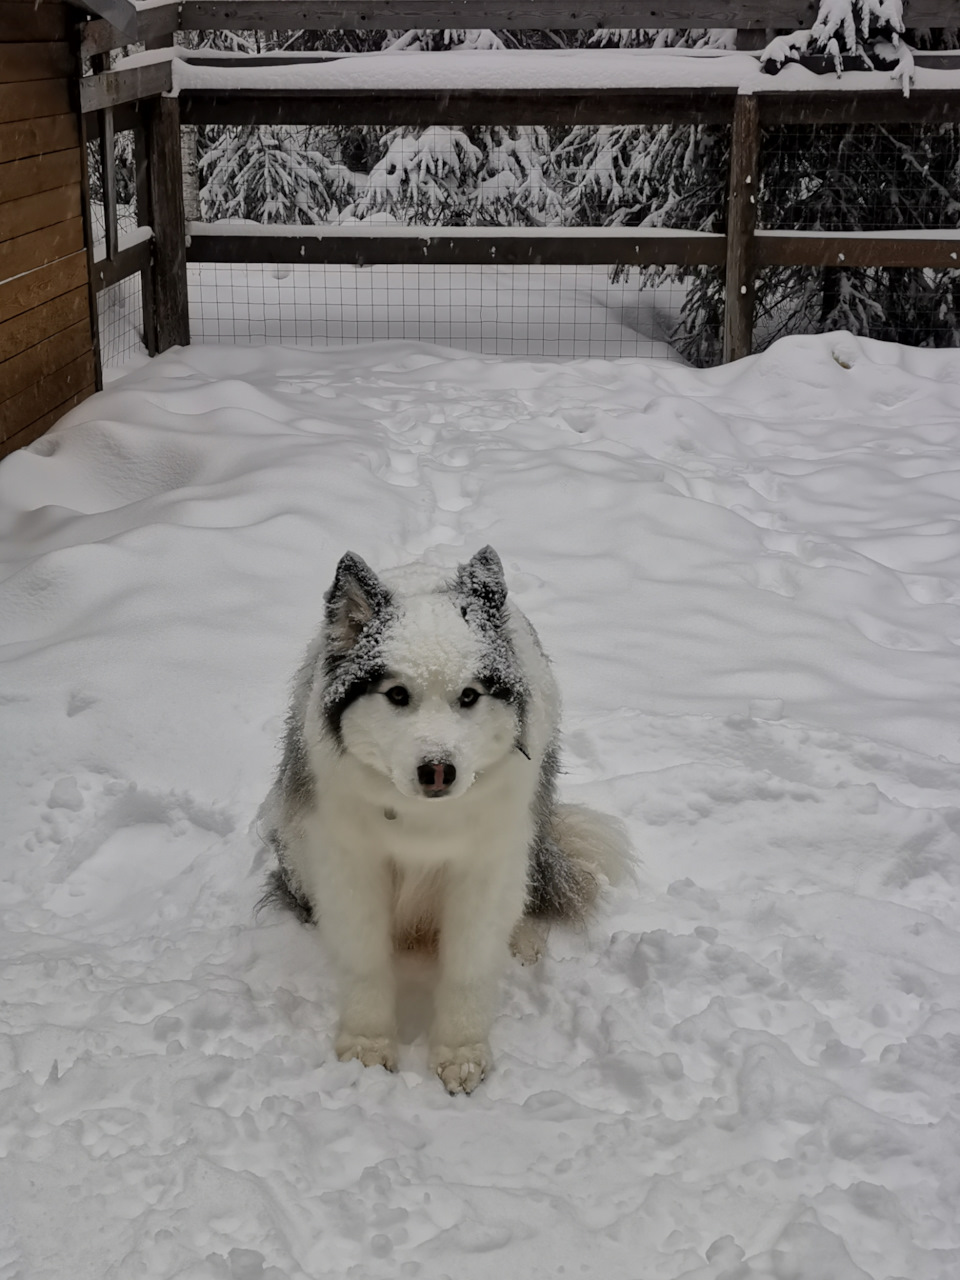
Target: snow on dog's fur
{"x":416,"y":802}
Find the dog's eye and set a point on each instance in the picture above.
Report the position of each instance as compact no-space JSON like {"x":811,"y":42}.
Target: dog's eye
{"x":469,"y":697}
{"x":398,"y":695}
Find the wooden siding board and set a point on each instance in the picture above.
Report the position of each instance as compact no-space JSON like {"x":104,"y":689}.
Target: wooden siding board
{"x":29,"y":23}
{"x":42,"y":425}
{"x":36,"y":249}
{"x":48,"y":60}
{"x":33,"y":213}
{"x":28,"y":99}
{"x":43,"y":359}
{"x":33,"y":289}
{"x":50,"y":318}
{"x":21,"y":138}
{"x":33,"y":174}
{"x":41,"y":397}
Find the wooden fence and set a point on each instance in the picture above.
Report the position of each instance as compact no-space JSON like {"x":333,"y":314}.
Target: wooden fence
{"x":134,"y":98}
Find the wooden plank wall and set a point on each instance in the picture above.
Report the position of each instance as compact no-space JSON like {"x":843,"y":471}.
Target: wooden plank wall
{"x":47,"y":324}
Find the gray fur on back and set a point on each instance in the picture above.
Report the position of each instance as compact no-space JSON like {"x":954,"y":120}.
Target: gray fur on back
{"x":292,"y":793}
{"x":558,"y":888}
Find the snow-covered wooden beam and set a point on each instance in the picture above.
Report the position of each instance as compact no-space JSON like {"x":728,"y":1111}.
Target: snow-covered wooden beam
{"x":158,"y":22}
{"x":369,"y":244}
{"x":445,"y":107}
{"x":114,"y":88}
{"x":519,"y":15}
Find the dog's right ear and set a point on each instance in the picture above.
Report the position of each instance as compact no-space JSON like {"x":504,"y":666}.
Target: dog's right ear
{"x":356,"y":597}
{"x":481,"y":579}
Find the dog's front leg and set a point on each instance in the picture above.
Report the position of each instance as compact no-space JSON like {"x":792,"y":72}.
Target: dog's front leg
{"x":357,"y":930}
{"x":482,"y":903}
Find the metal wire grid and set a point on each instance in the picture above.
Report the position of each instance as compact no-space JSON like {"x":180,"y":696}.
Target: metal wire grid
{"x":838,"y":177}
{"x":120,"y":320}
{"x":860,"y":177}
{"x":434,"y":177}
{"x":524,"y":310}
{"x":895,"y":178}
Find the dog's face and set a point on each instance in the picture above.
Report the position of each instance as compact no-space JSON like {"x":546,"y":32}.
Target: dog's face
{"x":423,"y":687}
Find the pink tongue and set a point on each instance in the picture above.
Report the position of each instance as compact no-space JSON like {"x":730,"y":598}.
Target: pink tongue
{"x":438,"y":777}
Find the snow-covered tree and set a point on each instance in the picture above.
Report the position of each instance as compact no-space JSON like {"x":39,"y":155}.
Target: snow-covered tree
{"x":519,"y":183}
{"x":866,"y":29}
{"x":486,"y":176}
{"x":424,"y":177}
{"x":274,"y":173}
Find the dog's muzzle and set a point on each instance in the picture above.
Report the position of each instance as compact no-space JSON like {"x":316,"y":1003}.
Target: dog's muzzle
{"x":436,"y":777}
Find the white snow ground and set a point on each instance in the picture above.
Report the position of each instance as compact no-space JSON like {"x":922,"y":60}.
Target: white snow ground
{"x":748,"y":579}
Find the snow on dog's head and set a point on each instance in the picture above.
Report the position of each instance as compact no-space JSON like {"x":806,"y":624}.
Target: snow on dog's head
{"x":421,"y":680}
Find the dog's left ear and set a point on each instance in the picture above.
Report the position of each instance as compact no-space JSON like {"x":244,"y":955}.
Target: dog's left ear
{"x":356,"y":597}
{"x":482,"y":579}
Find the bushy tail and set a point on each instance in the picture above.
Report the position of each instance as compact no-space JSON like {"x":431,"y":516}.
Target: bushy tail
{"x":596,"y":841}
{"x":583,"y":849}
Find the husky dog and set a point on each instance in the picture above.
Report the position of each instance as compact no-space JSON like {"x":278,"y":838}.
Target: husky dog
{"x":415,"y":803}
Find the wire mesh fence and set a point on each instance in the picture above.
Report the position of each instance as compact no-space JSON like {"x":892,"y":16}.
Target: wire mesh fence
{"x":848,"y":177}
{"x":860,"y":178}
{"x":120,"y":322}
{"x":120,"y":319}
{"x":522,"y":310}
{"x":487,"y":176}
{"x":845,"y":178}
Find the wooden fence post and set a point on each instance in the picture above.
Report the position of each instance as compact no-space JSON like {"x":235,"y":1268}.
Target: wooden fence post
{"x":741,"y":221}
{"x":145,"y":219}
{"x":88,"y":228}
{"x":166,"y":211}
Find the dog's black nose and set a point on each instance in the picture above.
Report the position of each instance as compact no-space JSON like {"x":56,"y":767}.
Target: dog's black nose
{"x":436,"y":776}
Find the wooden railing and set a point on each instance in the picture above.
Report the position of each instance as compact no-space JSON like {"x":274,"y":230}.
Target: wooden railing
{"x":132,"y":98}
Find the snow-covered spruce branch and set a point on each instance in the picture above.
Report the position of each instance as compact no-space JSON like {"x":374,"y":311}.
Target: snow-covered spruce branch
{"x":951,"y":199}
{"x":865,"y":29}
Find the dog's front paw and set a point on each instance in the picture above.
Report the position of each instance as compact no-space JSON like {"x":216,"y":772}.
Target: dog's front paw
{"x":462,"y":1068}
{"x":373,"y":1051}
